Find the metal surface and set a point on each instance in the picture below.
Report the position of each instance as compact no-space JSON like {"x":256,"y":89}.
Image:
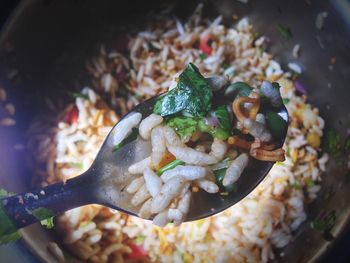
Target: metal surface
{"x":49,"y":44}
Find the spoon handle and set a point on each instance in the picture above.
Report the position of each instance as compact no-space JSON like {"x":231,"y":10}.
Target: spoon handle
{"x":27,"y":208}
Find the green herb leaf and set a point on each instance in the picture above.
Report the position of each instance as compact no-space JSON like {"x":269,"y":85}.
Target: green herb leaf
{"x":224,"y":117}
{"x":216,"y":132}
{"x":8,"y":230}
{"x":276,"y":85}
{"x":240,"y":89}
{"x":219,"y":175}
{"x":309,"y":182}
{"x":139,"y":239}
{"x":324,"y":223}
{"x":76,"y":165}
{"x":276,"y":124}
{"x":202,"y":56}
{"x":80,"y":95}
{"x":170,"y":166}
{"x":45,"y":216}
{"x":332,"y":143}
{"x":192,"y":95}
{"x":295,"y":186}
{"x":284,"y":31}
{"x":225,"y":65}
{"x":183,"y":126}
{"x":133,"y":135}
{"x":285,"y":101}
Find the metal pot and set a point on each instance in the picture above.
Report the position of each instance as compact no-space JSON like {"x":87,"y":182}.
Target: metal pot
{"x":44,"y":45}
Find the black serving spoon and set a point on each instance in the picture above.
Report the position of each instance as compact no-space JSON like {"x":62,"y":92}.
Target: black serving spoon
{"x":105,"y":180}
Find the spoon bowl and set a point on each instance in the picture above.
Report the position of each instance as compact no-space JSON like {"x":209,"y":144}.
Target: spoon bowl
{"x":105,"y":181}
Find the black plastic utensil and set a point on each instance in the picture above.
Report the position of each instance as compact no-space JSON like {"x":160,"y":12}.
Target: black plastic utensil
{"x":105,"y":180}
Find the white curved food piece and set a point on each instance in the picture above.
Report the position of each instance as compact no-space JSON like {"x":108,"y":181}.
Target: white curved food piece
{"x":184,"y":203}
{"x":153,"y":182}
{"x":185,"y":189}
{"x":191,"y":156}
{"x":257,"y":129}
{"x":124,"y":127}
{"x":148,"y":123}
{"x":218,"y":149}
{"x":139,"y":167}
{"x":171,"y":137}
{"x":188,"y":172}
{"x":260,"y":118}
{"x":135,"y":185}
{"x":158,"y":145}
{"x":145,"y":210}
{"x":161,"y":219}
{"x":235,"y":170}
{"x":208,"y":186}
{"x":175,"y":214}
{"x":141,"y":196}
{"x":169,"y":191}
{"x":271,"y":93}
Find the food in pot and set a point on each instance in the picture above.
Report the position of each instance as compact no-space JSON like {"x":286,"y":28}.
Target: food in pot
{"x":249,"y":231}
{"x":178,"y":130}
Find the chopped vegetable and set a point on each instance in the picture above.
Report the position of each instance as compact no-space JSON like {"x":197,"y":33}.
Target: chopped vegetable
{"x":8,"y":231}
{"x":332,"y":143}
{"x":137,"y":252}
{"x":219,"y":175}
{"x":133,"y":135}
{"x":204,"y":43}
{"x":223,"y":164}
{"x":300,"y":87}
{"x":216,"y":132}
{"x":309,"y":182}
{"x":325,"y":223}
{"x":284,"y":31}
{"x":80,"y":95}
{"x":73,"y":115}
{"x":240,"y":89}
{"x":285,"y":101}
{"x":183,"y":126}
{"x":76,"y":165}
{"x":170,"y":166}
{"x":192,"y":95}
{"x":295,"y":186}
{"x":139,"y":239}
{"x":224,"y":117}
{"x":166,"y":159}
{"x":202,"y":56}
{"x":276,"y":124}
{"x":45,"y":216}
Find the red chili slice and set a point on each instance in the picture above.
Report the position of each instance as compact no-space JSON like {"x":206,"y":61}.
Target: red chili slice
{"x":73,"y":115}
{"x":137,"y":252}
{"x":204,"y":44}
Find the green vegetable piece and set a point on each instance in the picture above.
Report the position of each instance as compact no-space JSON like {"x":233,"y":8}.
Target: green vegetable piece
{"x":76,"y":165}
{"x":276,"y":124}
{"x":218,"y":132}
{"x":45,"y":216}
{"x":240,"y":89}
{"x":332,"y":143}
{"x":133,"y":136}
{"x":219,"y":175}
{"x":325,"y":223}
{"x":170,"y":166}
{"x":192,"y":95}
{"x":183,"y":126}
{"x":139,"y":239}
{"x":276,"y":85}
{"x":8,"y":230}
{"x":223,"y":116}
{"x":80,"y":95}
{"x":295,"y":186}
{"x":284,"y":31}
{"x":310,"y":182}
{"x":202,"y":56}
{"x":285,"y":101}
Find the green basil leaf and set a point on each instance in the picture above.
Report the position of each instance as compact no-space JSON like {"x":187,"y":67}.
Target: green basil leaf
{"x":224,"y":117}
{"x":45,"y":216}
{"x":192,"y":95}
{"x":276,"y":124}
